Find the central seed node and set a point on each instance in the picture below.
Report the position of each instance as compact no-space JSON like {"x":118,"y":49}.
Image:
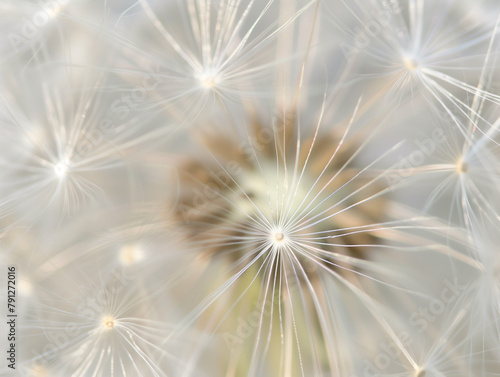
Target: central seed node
{"x":61,"y":168}
{"x":420,"y":373}
{"x":278,"y":236}
{"x":208,"y":81}
{"x":108,"y":323}
{"x":463,"y":167}
{"x":410,"y":63}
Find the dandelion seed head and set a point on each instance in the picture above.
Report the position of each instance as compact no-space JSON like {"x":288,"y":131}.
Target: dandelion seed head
{"x":284,"y":201}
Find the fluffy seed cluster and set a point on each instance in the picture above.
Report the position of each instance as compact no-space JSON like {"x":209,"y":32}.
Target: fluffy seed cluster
{"x":250,"y":188}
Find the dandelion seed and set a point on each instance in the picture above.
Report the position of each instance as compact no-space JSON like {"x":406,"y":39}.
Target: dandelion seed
{"x":226,"y":48}
{"x":114,"y":327}
{"x":464,"y":170}
{"x":62,"y":169}
{"x":414,"y":58}
{"x":297,"y":212}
